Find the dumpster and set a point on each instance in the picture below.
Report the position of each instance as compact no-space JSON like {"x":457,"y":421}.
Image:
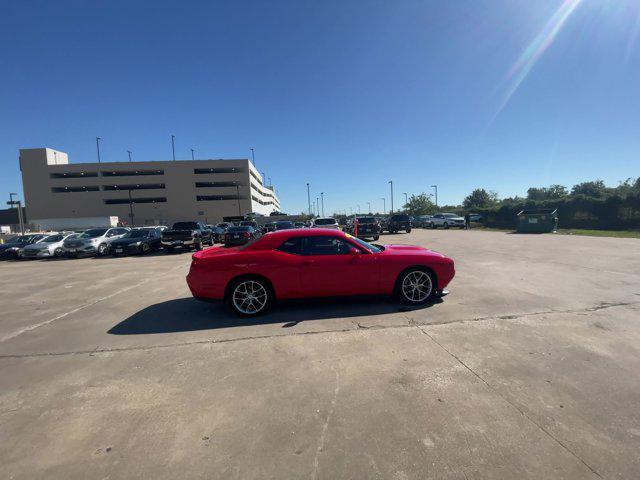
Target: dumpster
{"x":537,"y":221}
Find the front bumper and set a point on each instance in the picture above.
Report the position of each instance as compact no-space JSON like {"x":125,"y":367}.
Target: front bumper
{"x":123,"y":249}
{"x":177,"y":243}
{"x":36,"y":253}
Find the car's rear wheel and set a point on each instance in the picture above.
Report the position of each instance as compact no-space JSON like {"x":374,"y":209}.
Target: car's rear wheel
{"x":408,"y":230}
{"x":446,"y":226}
{"x":168,"y":250}
{"x":416,"y":286}
{"x":198,"y":246}
{"x":376,"y":237}
{"x":249,"y":297}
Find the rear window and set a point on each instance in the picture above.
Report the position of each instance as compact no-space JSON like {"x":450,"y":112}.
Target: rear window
{"x":185,"y":226}
{"x":325,"y":221}
{"x":238,"y":229}
{"x":366,"y":220}
{"x":400,"y":218}
{"x":293,"y":245}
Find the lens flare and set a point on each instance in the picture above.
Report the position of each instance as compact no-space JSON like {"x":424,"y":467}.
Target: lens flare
{"x":536,"y":49}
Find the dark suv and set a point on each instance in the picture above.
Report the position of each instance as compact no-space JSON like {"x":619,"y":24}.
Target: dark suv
{"x":368,"y":227}
{"x":399,"y":222}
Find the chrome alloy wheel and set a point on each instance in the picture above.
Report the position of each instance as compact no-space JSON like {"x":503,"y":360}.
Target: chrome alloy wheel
{"x":249,"y":297}
{"x":417,"y":286}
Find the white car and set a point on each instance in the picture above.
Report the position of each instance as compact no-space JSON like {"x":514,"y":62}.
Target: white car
{"x":325,"y":222}
{"x":93,"y":241}
{"x":446,"y":220}
{"x":49,"y":247}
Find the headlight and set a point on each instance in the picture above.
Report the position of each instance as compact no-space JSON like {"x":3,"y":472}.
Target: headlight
{"x":138,"y":243}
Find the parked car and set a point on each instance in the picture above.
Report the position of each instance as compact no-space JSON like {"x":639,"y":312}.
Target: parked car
{"x":368,"y":227}
{"x":12,"y":248}
{"x":475,"y":217}
{"x":217,"y":233}
{"x":225,"y":225}
{"x":398,"y":222}
{"x":49,"y":247}
{"x":284,"y":225}
{"x":240,"y":235}
{"x":276,"y":214}
{"x":268,"y":227}
{"x":139,"y":240}
{"x":186,"y":234}
{"x":299,"y":224}
{"x":315,"y":263}
{"x":325,"y":222}
{"x":94,"y":241}
{"x":249,"y":223}
{"x":422,"y":221}
{"x":447,"y":220}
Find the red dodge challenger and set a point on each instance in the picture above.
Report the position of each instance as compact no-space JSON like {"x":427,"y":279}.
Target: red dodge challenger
{"x":312,"y":262}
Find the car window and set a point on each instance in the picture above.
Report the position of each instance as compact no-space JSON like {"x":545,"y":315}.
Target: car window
{"x":52,"y":238}
{"x":292,"y":245}
{"x":325,"y":221}
{"x":325,"y":245}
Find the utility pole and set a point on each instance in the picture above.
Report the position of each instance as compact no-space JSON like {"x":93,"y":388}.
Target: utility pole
{"x":322,"y":200}
{"x":193,"y":157}
{"x":173,"y":146}
{"x":406,"y":198}
{"x":391,"y":183}
{"x":318,"y":205}
{"x":369,"y":203}
{"x":131,"y":208}
{"x":98,"y":147}
{"x":384,"y":205}
{"x":129,"y":152}
{"x":436,"y":187}
{"x":314,"y":207}
{"x":253,"y":158}
{"x":309,"y":198}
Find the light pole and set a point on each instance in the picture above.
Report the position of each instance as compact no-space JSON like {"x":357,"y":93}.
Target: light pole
{"x":391,"y":183}
{"x":436,"y":187}
{"x":129,"y":152}
{"x":314,"y":207}
{"x":131,"y":208}
{"x":406,"y":198}
{"x":17,"y":202}
{"x":309,"y":198}
{"x":358,"y":205}
{"x":98,"y":147}
{"x":322,"y":200}
{"x":253,"y":158}
{"x":173,"y":146}
{"x":193,"y":157}
{"x":318,"y":205}
{"x":238,"y":198}
{"x":369,"y":203}
{"x":384,"y":205}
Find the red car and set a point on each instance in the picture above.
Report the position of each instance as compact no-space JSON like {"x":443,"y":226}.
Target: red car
{"x":315,"y":263}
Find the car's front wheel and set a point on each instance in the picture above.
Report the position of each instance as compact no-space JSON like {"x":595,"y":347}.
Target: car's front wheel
{"x":168,"y":250}
{"x":102,"y":249}
{"x":249,"y":297}
{"x":144,"y":248}
{"x":416,"y":286}
{"x":198,"y":246}
{"x":58,"y":252}
{"x":408,"y":230}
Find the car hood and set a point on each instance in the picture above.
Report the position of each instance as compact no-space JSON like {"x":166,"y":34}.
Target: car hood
{"x":38,"y":246}
{"x":6,"y":246}
{"x":409,"y":250}
{"x":215,"y":252}
{"x":126,"y":241}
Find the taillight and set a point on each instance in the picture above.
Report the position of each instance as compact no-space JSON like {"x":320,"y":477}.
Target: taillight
{"x":247,"y":234}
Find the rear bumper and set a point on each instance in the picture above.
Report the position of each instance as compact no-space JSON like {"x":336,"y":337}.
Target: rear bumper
{"x":177,"y":243}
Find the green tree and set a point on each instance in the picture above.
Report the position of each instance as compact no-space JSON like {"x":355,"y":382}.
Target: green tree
{"x":595,"y":189}
{"x":552,"y":192}
{"x":419,"y":205}
{"x":480,"y":198}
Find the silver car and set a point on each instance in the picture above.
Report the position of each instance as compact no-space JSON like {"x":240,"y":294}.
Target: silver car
{"x":92,"y":242}
{"x":49,"y":247}
{"x":447,"y":220}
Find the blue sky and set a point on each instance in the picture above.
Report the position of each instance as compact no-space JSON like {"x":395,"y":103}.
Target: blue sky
{"x":343,"y":94}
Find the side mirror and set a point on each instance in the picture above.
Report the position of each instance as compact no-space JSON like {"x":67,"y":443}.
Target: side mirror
{"x":354,"y":251}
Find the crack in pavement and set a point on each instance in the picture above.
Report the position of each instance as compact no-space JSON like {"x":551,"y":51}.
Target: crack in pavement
{"x":512,"y":404}
{"x":356,"y":327}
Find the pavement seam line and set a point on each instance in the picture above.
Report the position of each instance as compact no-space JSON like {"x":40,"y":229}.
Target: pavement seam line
{"x":357,"y":327}
{"x":81,"y":307}
{"x":325,"y":425}
{"x":513,"y":405}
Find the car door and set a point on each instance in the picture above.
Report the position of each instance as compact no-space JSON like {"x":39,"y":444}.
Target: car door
{"x":331,"y":267}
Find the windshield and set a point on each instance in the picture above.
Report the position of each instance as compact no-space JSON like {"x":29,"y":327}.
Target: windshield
{"x":284,"y":224}
{"x":239,"y":229}
{"x":368,"y":246}
{"x":93,"y":233}
{"x":137,"y":234}
{"x":52,"y":238}
{"x":450,"y":215}
{"x":185,"y":226}
{"x":325,"y":221}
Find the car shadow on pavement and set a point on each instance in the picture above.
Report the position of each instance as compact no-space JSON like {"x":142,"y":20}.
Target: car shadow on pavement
{"x":189,"y":314}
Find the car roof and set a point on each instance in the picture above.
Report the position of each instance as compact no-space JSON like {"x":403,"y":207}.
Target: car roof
{"x":273,"y":240}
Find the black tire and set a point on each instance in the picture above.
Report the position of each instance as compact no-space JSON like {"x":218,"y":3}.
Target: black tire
{"x":434,"y":226}
{"x":408,"y":230}
{"x":197,"y":246}
{"x":260,"y":286}
{"x":57,"y":253}
{"x":144,"y":248}
{"x":401,"y":293}
{"x":72,"y":255}
{"x":446,"y":226}
{"x":102,"y":249}
{"x":376,"y":238}
{"x":168,"y":250}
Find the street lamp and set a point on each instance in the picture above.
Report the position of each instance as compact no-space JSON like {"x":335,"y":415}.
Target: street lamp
{"x":322,"y":200}
{"x":129,"y":152}
{"x":309,"y":198}
{"x":436,"y":187}
{"x":98,"y":147}
{"x":384,"y":205}
{"x":11,"y":203}
{"x":406,"y":199}
{"x":369,"y":203}
{"x":391,"y":183}
{"x":193,"y":157}
{"x":173,"y":146}
{"x":318,"y":205}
